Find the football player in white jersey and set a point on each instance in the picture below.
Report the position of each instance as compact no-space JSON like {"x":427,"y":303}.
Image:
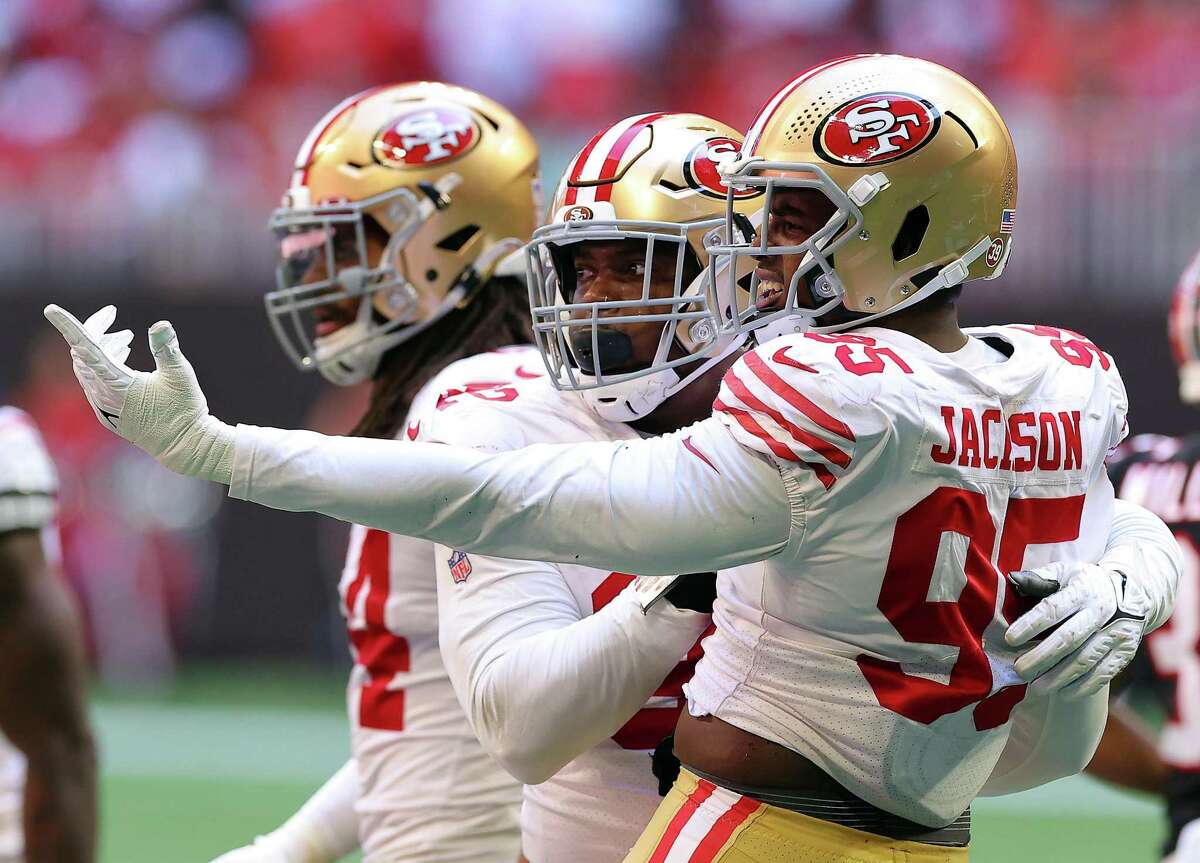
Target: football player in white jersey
{"x":627,"y":227}
{"x":404,"y":203}
{"x":47,"y":756}
{"x":895,"y":483}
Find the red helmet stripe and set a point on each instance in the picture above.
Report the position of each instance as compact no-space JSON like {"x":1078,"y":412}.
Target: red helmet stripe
{"x":772,"y":104}
{"x":577,"y":168}
{"x":309,"y":147}
{"x":613,"y":160}
{"x":596,"y":166}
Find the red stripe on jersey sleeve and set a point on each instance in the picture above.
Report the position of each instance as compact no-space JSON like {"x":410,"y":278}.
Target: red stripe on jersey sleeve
{"x":694,"y":450}
{"x":747,"y":422}
{"x":795,"y":398}
{"x":823,"y":473}
{"x":700,"y":793}
{"x":807,"y":438}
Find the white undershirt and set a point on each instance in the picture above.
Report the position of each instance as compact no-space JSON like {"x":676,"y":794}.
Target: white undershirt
{"x":976,"y":353}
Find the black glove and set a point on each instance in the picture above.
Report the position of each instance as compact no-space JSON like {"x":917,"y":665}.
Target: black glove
{"x":694,"y":592}
{"x":664,"y":765}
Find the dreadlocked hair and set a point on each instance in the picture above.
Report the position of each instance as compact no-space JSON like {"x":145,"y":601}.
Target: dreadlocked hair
{"x":496,"y":316}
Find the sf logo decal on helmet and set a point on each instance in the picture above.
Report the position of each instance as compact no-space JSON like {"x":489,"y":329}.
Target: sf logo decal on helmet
{"x":579,"y":213}
{"x":426,"y":136}
{"x":876,"y":128}
{"x":702,"y":168}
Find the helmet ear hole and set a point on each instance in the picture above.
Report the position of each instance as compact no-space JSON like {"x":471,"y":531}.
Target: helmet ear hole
{"x":563,"y":258}
{"x":911,"y":233}
{"x":454,"y":242}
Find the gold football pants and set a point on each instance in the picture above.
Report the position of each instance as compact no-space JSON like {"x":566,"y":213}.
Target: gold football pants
{"x":699,"y":822}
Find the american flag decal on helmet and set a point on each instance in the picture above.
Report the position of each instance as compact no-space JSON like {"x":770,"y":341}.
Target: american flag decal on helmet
{"x":1008,"y":220}
{"x":460,"y":566}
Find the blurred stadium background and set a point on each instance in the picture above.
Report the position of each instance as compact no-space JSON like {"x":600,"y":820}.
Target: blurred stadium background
{"x":143,"y":143}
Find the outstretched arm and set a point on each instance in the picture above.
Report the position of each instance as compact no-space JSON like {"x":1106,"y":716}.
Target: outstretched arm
{"x":694,"y":501}
{"x":646,"y":506}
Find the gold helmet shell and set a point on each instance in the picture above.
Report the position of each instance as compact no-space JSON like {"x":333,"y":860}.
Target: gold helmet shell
{"x":653,"y":178}
{"x":921,"y":170}
{"x":447,"y":174}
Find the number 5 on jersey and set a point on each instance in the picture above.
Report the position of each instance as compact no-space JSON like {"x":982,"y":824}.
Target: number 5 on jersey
{"x":959,"y":623}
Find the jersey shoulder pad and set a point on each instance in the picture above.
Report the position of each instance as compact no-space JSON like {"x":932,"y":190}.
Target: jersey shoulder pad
{"x":793,"y":399}
{"x":28,"y":482}
{"x":476,"y":373}
{"x":1066,"y":351}
{"x":504,"y":365}
{"x":514,"y":415}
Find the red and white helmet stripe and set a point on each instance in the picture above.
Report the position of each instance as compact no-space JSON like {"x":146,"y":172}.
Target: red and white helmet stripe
{"x":305,"y":156}
{"x":601,"y":159}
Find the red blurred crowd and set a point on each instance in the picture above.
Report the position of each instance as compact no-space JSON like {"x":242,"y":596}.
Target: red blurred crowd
{"x":144,"y":101}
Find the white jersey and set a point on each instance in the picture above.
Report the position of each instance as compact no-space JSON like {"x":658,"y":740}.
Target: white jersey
{"x":873,"y":644}
{"x":28,"y":486}
{"x":885,"y":486}
{"x":428,"y":791}
{"x":593,"y":809}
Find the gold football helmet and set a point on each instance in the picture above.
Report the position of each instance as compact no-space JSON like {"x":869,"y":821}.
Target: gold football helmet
{"x":654,"y":179}
{"x":441,"y":179}
{"x":920,"y":170}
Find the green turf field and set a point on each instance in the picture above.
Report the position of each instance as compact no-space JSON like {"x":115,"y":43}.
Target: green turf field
{"x":230,"y":752}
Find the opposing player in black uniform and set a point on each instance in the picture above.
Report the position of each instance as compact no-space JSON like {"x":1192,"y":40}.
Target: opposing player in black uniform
{"x":1163,"y":474}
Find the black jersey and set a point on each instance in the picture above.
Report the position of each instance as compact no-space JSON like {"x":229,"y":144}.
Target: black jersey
{"x":1163,"y":475}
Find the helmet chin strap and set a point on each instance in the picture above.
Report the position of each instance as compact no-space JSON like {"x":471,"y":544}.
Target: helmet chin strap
{"x":631,"y":400}
{"x":347,"y":356}
{"x":953,"y":273}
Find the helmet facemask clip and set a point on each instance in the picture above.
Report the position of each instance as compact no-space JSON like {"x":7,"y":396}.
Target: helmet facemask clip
{"x":814,"y":289}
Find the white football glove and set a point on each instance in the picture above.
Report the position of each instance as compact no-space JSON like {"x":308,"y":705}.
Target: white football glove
{"x":162,"y":412}
{"x":1102,"y":615}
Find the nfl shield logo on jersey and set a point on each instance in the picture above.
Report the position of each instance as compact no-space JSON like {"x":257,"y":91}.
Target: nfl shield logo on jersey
{"x":460,"y":566}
